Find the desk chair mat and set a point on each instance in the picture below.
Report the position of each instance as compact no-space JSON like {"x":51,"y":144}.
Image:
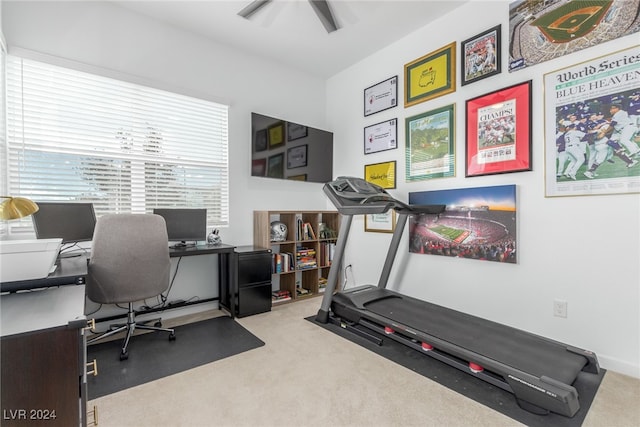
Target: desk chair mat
{"x":152,"y":356}
{"x":482,"y":392}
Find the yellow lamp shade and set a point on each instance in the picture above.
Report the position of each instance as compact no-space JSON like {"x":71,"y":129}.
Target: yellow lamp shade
{"x":17,"y":207}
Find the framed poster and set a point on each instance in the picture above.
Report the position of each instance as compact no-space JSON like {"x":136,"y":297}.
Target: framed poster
{"x":301,"y":177}
{"x":382,"y":174}
{"x":381,"y":223}
{"x":430,"y":76}
{"x":276,"y":135}
{"x":481,"y":56}
{"x":381,"y":96}
{"x":554,"y":29}
{"x":275,"y":167}
{"x":498,"y":131}
{"x":592,"y":143}
{"x":258,"y":167}
{"x":295,"y":131}
{"x":297,"y":157}
{"x":430,"y":147}
{"x":261,"y":140}
{"x":478,"y":223}
{"x":381,"y":136}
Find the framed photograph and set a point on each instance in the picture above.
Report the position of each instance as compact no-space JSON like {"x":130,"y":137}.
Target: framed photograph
{"x":261,"y":140}
{"x":381,"y":136}
{"x":381,"y":96}
{"x":556,"y":29}
{"x":478,"y":223}
{"x":592,"y":143}
{"x":498,"y":131}
{"x":430,"y":148}
{"x":301,"y":177}
{"x":276,"y":135}
{"x":297,"y":157}
{"x":258,"y":167}
{"x":430,"y":76}
{"x":382,"y":174}
{"x":275,"y":167}
{"x":295,"y":131}
{"x":481,"y":56}
{"x":381,"y":223}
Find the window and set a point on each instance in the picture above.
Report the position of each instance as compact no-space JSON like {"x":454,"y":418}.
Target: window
{"x":73,"y":136}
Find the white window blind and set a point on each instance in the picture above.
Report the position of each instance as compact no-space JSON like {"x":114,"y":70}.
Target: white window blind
{"x":74,"y":136}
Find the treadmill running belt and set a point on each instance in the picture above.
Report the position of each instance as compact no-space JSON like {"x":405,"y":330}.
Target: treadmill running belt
{"x":513,"y":347}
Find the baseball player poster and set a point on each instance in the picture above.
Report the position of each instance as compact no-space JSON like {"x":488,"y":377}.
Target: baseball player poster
{"x":544,"y":30}
{"x":592,"y":126}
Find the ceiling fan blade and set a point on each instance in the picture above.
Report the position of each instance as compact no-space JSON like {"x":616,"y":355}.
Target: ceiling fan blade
{"x":253,"y":7}
{"x":322,"y":9}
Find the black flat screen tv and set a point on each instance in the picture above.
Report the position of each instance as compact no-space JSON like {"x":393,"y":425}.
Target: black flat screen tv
{"x":71,"y":221}
{"x":285,"y":150}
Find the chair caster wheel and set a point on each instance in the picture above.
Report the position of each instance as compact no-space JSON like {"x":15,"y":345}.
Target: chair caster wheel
{"x":172,"y":336}
{"x":158,"y":324}
{"x":124,"y":356}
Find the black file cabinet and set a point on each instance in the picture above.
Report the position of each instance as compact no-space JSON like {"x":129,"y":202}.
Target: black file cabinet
{"x":253,"y":275}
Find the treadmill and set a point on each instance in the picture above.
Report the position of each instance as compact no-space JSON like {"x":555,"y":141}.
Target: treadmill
{"x":538,"y":371}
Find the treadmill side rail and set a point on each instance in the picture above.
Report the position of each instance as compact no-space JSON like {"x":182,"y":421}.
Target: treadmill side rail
{"x":592,"y":366}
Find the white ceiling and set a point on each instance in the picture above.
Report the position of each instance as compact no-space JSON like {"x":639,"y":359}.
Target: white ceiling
{"x":289,"y":32}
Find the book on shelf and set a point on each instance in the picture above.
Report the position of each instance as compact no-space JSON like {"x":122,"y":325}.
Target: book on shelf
{"x":307,"y":232}
{"x":281,"y":262}
{"x":303,"y":291}
{"x":305,"y":258}
{"x":280,"y":295}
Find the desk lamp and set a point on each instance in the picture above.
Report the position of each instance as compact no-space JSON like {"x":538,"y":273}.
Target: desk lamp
{"x":16,"y":207}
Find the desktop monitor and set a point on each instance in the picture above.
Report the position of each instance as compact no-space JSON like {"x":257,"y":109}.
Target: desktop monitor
{"x":184,"y":225}
{"x":72,"y":222}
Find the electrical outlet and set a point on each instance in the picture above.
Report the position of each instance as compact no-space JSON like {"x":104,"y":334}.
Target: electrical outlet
{"x":560,"y":308}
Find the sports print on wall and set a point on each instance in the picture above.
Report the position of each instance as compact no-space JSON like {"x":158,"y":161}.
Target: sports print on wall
{"x":592,"y":126}
{"x":478,"y":223}
{"x":544,"y":30}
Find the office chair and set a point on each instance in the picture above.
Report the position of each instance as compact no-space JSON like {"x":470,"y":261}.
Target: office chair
{"x":129,"y":262}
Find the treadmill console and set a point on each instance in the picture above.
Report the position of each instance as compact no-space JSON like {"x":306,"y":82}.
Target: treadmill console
{"x":355,"y":196}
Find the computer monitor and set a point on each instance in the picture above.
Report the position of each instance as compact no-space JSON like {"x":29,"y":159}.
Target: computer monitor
{"x":184,"y":225}
{"x":71,"y":221}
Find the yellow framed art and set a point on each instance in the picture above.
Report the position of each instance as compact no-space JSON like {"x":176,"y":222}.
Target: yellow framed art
{"x":382,"y":174}
{"x":430,"y":76}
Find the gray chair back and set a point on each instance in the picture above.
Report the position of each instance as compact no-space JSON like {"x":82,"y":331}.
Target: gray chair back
{"x":129,"y":258}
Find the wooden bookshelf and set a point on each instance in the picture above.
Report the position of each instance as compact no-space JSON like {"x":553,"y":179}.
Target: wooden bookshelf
{"x":311,"y":236}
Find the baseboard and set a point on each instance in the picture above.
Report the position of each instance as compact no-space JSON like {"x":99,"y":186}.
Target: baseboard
{"x":619,"y":366}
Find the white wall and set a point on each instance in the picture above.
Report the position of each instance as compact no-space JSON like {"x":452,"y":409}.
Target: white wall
{"x":106,"y":39}
{"x":584,"y":250}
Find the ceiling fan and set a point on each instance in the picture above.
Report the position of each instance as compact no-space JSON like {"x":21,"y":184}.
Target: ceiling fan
{"x":320,"y":7}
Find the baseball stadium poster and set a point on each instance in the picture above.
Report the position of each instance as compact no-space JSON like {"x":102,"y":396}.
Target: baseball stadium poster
{"x":498,"y":131}
{"x":478,"y":223}
{"x":592,"y":121}
{"x":543,"y":30}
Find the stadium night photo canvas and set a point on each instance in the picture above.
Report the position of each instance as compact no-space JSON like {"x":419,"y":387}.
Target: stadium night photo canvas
{"x":478,"y":223}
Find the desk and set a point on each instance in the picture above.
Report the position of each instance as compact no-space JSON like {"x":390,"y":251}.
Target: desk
{"x":73,"y":271}
{"x":43,"y":355}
